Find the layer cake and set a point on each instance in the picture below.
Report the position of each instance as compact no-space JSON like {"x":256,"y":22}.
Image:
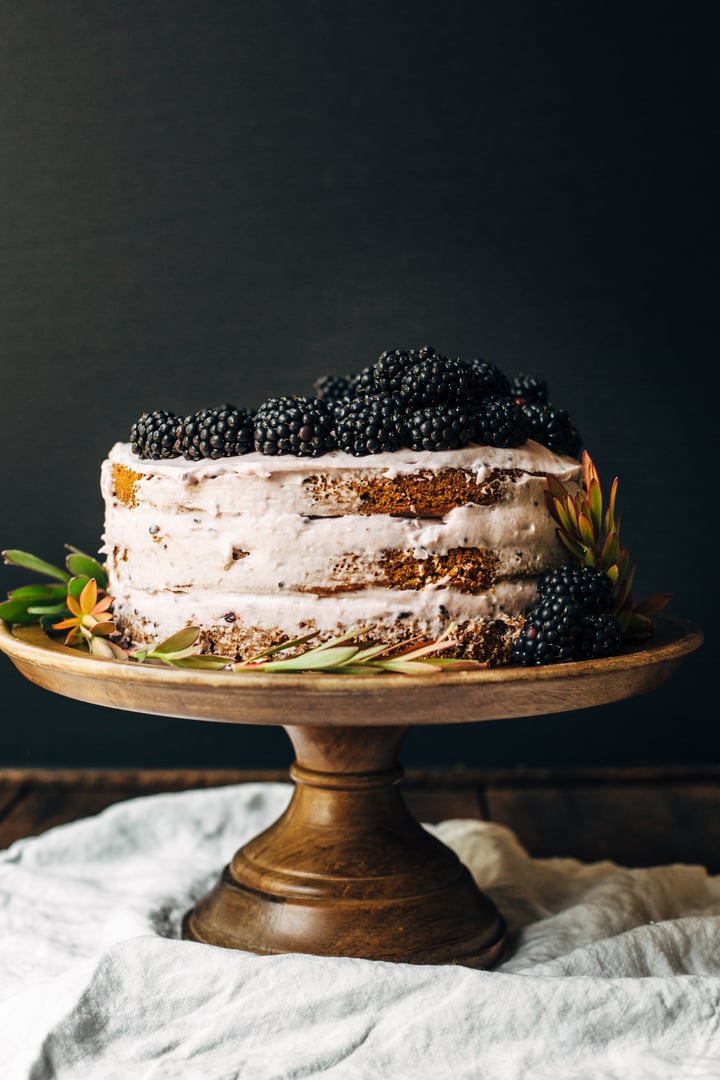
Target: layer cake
{"x":256,"y":550}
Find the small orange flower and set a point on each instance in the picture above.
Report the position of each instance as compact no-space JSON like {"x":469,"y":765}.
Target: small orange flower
{"x":90,"y":616}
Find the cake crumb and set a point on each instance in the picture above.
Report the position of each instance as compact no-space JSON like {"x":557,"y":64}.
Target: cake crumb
{"x":125,"y":483}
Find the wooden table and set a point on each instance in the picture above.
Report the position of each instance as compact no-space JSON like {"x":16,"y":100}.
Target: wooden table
{"x":639,"y":816}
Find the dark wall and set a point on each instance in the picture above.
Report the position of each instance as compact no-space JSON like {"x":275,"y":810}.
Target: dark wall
{"x":210,"y":201}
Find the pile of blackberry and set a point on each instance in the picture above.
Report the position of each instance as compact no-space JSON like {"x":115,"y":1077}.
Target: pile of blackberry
{"x":572,"y":619}
{"x":417,"y":399}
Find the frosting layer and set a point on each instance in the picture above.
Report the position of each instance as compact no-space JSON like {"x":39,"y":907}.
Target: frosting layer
{"x":404,"y":542}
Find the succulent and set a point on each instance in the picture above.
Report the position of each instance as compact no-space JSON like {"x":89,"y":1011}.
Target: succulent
{"x":590,"y":530}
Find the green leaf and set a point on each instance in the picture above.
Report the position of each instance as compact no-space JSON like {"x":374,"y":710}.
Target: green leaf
{"x":202,"y":662}
{"x":31,"y":562}
{"x":368,"y":654}
{"x":610,"y":551}
{"x":595,"y":504}
{"x":79,"y":564}
{"x":586,"y":530}
{"x":574,"y":548}
{"x":653,"y":605}
{"x":16,"y":611}
{"x":178,"y":642}
{"x":556,"y":489}
{"x":410,"y":667}
{"x":38,"y":592}
{"x":76,"y":586}
{"x":339,"y":640}
{"x":47,"y":609}
{"x":279,"y":648}
{"x":456,"y":664}
{"x":315,"y":660}
{"x":561,"y":515}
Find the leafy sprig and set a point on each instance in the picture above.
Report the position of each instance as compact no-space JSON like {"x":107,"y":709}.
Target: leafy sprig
{"x":590,"y":530}
{"x":47,"y":602}
{"x":344,"y":655}
{"x":75,"y":600}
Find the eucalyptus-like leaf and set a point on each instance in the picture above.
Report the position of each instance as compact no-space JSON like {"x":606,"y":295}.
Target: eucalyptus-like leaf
{"x":177,"y":654}
{"x":349,"y":636}
{"x":177,"y":642}
{"x":409,"y":667}
{"x":13,"y":557}
{"x":429,"y":648}
{"x":456,"y":663}
{"x":283,"y":647}
{"x":201,"y":662}
{"x":364,"y":655}
{"x":81,"y":564}
{"x":315,"y":660}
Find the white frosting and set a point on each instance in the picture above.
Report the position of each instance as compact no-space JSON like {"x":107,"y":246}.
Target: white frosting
{"x":254,"y":537}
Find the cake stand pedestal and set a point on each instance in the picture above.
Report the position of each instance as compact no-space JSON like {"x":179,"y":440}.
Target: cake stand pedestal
{"x":347,"y":870}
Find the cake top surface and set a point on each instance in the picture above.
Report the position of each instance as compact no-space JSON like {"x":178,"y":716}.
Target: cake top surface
{"x":531,"y":457}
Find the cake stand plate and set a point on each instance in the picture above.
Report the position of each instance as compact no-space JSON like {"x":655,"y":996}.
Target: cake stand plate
{"x":347,"y":870}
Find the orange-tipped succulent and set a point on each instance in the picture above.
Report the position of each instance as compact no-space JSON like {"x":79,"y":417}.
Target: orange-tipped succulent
{"x":590,"y":530}
{"x":89,"y":616}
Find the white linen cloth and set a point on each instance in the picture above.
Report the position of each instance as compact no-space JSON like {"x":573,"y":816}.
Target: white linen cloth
{"x":611,"y":972}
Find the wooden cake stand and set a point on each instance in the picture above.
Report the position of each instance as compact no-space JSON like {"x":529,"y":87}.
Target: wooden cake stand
{"x":347,"y":870}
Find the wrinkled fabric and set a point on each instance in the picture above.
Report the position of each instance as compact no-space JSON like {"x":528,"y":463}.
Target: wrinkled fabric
{"x":610,"y":973}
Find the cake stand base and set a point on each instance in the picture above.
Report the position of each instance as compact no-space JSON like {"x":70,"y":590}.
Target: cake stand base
{"x":347,"y":870}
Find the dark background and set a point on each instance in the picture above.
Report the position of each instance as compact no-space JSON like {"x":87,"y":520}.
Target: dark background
{"x":202,"y":202}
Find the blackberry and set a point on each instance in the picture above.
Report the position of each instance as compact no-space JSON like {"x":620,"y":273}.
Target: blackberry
{"x":390,"y":366}
{"x":500,"y":422}
{"x":528,"y":390}
{"x":370,"y":425}
{"x":440,"y":427}
{"x":488,"y":379}
{"x":297,"y":425}
{"x":335,"y":389}
{"x":600,"y":636}
{"x":435,"y":379}
{"x":154,"y":435}
{"x":215,"y":433}
{"x":586,"y":586}
{"x":364,"y":382}
{"x":551,"y":634}
{"x":571,"y":620}
{"x":553,"y":428}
